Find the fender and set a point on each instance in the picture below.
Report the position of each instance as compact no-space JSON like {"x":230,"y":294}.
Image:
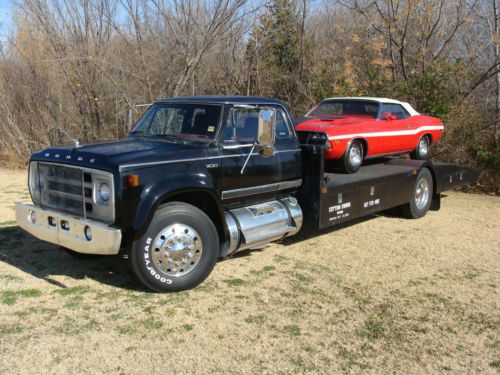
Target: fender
{"x":417,"y":165}
{"x":446,"y":176}
{"x":178,"y":183}
{"x":451,"y":176}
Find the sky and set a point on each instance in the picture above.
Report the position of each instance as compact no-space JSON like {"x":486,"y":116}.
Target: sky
{"x":6,"y":8}
{"x":5,"y":13}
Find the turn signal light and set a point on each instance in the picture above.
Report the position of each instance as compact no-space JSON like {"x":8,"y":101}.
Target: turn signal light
{"x":132,"y":180}
{"x":32,"y":217}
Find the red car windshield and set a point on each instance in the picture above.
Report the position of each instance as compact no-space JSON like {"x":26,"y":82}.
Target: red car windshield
{"x":345,"y":108}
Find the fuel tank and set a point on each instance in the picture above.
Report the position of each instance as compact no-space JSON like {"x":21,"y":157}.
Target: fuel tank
{"x":259,"y":224}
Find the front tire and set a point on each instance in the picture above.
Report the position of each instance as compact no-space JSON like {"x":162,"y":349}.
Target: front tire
{"x":422,"y":150}
{"x":353,"y":157}
{"x":178,"y":250}
{"x":421,"y":197}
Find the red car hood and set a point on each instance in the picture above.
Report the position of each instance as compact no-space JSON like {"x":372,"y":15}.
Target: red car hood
{"x":330,"y":122}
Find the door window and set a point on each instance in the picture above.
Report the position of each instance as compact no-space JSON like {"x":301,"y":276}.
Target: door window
{"x":282,"y":128}
{"x":396,"y":110}
{"x":242,"y":126}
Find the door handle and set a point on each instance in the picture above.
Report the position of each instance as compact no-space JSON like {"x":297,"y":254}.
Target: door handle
{"x":408,"y":126}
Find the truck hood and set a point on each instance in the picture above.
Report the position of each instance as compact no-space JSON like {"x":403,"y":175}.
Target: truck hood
{"x":111,"y":155}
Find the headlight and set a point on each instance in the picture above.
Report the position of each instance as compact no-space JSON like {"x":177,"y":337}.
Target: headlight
{"x":99,"y":188}
{"x":34,"y":183}
{"x":104,"y":192}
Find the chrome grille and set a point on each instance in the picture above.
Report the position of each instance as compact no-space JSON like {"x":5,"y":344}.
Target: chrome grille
{"x":72,"y":189}
{"x":61,"y":188}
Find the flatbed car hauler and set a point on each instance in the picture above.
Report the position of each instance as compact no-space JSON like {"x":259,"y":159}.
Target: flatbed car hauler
{"x":201,"y":178}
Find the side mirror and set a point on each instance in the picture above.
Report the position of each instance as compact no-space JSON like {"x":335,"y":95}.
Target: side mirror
{"x":388,"y":116}
{"x":267,"y":131}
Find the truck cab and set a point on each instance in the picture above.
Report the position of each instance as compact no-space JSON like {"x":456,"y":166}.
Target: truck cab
{"x":200,"y":178}
{"x":211,"y":154}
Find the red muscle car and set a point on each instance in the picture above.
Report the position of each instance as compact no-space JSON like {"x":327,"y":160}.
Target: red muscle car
{"x":362,"y":128}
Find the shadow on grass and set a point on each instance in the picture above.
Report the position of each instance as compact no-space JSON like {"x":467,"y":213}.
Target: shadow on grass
{"x":44,"y":260}
{"x":309,"y":232}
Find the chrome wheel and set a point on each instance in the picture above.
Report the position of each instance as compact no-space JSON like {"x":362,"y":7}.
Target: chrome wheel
{"x":177,"y":250}
{"x":355,"y":156}
{"x":423,"y":147}
{"x":422,"y":193}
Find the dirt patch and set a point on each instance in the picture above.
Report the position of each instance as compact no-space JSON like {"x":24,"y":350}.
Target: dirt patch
{"x":386,"y":295}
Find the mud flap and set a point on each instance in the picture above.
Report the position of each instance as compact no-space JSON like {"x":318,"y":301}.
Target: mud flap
{"x":436,"y":202}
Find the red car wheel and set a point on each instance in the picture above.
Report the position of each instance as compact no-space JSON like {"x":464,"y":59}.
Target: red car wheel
{"x":353,"y":157}
{"x":422,"y":150}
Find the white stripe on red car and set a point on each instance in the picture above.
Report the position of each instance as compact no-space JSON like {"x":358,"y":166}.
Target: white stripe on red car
{"x":387,"y":134}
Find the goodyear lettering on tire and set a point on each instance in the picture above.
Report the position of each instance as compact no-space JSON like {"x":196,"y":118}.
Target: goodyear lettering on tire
{"x":150,"y":268}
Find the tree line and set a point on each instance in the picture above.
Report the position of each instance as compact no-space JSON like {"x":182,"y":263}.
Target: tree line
{"x":76,"y":69}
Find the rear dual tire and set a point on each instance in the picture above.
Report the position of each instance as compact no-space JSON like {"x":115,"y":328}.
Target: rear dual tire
{"x":421,"y":197}
{"x":178,"y":250}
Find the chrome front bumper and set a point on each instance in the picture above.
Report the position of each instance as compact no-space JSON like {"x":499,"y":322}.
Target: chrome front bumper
{"x":105,"y":240}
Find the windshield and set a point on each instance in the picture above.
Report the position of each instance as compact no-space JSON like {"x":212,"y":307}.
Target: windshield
{"x":346,"y":108}
{"x":194,"y":121}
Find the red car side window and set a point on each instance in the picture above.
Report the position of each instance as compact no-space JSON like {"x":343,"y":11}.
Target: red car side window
{"x":396,"y":110}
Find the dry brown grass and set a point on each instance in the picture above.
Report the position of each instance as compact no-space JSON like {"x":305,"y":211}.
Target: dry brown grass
{"x":383,"y":296}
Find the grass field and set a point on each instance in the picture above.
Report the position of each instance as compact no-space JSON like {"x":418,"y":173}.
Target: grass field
{"x":384,"y":296}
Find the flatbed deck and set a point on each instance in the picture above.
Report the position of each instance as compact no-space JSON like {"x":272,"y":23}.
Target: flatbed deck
{"x":367,"y":172}
{"x":330,"y":198}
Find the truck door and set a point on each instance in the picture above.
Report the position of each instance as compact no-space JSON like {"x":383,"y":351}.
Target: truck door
{"x":240,"y":179}
{"x":287,"y":147}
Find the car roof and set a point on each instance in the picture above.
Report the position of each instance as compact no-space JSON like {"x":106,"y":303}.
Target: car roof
{"x":406,"y":105}
{"x":222,"y":100}
{"x":369,"y":98}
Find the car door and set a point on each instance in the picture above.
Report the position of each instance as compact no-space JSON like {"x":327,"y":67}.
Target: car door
{"x":395,"y":134}
{"x":245,"y":175}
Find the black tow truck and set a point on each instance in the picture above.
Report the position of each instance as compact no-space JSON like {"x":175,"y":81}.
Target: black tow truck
{"x":201,"y":178}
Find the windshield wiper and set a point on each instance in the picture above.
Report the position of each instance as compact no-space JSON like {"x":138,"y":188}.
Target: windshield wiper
{"x":172,"y":137}
{"x":168,"y":136}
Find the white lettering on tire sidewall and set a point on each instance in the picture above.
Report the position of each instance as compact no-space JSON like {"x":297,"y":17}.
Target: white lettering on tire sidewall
{"x":149,"y":267}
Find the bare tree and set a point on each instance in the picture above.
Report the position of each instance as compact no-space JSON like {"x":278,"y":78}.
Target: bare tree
{"x":75,"y":68}
{"x":495,"y":41}
{"x":195,"y":27}
{"x":417,"y":32}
